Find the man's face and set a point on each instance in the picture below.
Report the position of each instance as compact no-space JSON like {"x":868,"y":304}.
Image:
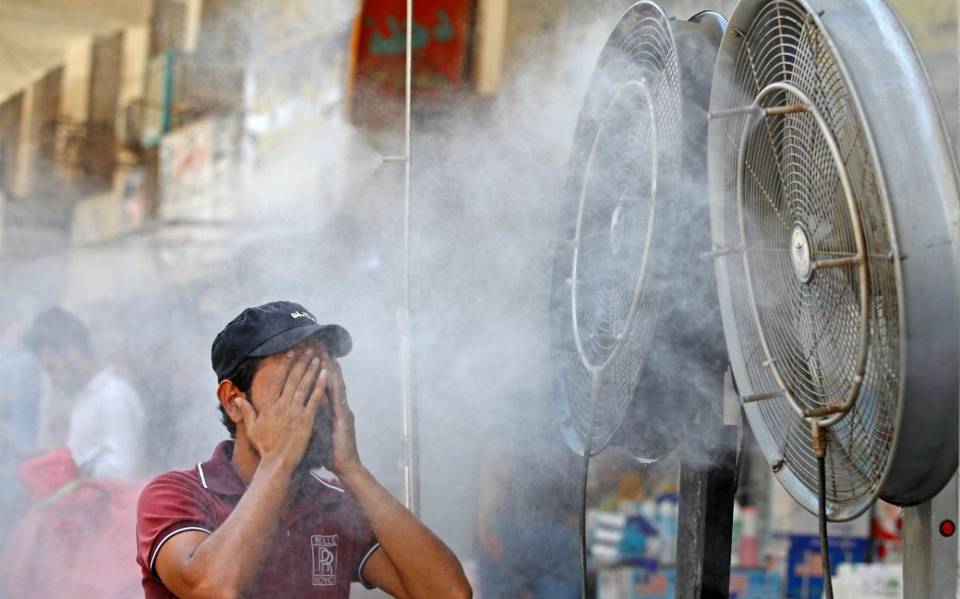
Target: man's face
{"x":318,"y":451}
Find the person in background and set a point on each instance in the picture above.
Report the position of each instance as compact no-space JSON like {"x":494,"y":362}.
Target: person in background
{"x":260,"y":518}
{"x":105,"y":416}
{"x":21,"y":389}
{"x":527,"y":517}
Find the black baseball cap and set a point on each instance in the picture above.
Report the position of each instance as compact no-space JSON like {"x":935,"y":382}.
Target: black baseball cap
{"x":270,"y":329}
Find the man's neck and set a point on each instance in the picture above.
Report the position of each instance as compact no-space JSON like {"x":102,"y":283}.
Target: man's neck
{"x":245,"y":458}
{"x":87,"y":371}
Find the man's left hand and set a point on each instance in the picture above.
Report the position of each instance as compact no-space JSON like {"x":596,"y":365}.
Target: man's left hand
{"x":344,"y":455}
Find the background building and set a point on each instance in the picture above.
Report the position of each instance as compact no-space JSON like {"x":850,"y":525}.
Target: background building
{"x":164,"y":163}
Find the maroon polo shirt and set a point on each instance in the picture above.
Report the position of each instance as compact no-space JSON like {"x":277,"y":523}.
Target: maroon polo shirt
{"x":318,"y":549}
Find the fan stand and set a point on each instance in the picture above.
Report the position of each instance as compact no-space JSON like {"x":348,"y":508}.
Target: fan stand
{"x":930,"y":557}
{"x":709,"y":473}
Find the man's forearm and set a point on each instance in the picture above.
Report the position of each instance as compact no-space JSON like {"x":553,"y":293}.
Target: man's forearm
{"x":232,"y":556}
{"x":426,"y":566}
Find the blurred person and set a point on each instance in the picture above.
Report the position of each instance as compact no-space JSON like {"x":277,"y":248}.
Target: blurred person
{"x":74,"y":535}
{"x":21,"y":390}
{"x":105,"y":417}
{"x":527,"y":521}
{"x":259,"y":518}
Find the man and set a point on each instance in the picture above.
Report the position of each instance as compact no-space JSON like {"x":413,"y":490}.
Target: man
{"x":527,"y":516}
{"x":104,"y":417}
{"x":258,"y":519}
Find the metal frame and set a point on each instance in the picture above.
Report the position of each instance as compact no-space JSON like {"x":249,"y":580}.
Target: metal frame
{"x":409,"y":466}
{"x":891,"y":96}
{"x":831,"y":414}
{"x":929,"y":558}
{"x":594,"y":369}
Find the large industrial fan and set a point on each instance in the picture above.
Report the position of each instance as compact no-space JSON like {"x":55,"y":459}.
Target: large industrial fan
{"x":638,"y":346}
{"x":835,"y":210}
{"x":634,"y":223}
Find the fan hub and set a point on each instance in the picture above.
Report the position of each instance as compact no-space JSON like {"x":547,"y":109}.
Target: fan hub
{"x":800,"y":254}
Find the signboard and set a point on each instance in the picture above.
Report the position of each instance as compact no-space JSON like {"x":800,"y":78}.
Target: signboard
{"x":440,"y":38}
{"x":196,"y":163}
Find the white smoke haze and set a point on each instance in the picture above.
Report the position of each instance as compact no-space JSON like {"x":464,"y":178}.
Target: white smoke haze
{"x":316,"y":218}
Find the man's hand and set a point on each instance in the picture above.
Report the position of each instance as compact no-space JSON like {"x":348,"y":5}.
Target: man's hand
{"x":282,"y":429}
{"x":344,"y":455}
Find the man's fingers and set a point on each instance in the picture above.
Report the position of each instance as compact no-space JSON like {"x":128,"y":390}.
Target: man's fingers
{"x":297,"y":369}
{"x":306,"y":382}
{"x":317,"y":394}
{"x":337,"y":387}
{"x":338,"y":396}
{"x":279,"y":375}
{"x":249,"y":415}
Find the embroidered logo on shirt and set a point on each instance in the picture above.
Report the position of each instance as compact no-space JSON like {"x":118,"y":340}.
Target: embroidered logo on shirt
{"x":324,"y":559}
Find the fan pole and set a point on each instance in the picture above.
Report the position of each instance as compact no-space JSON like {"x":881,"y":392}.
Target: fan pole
{"x":709,"y":473}
{"x":410,"y":475}
{"x":930,"y":556}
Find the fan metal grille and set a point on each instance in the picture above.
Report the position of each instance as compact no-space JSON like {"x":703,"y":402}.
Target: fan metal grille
{"x":805,"y":335}
{"x":634,"y":106}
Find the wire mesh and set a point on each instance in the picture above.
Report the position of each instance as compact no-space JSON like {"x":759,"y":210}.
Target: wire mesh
{"x":631,"y":161}
{"x":812,"y":329}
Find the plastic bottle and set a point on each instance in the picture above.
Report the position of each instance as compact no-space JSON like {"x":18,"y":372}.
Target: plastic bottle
{"x":749,"y":538}
{"x":648,"y":510}
{"x":736,"y":535}
{"x":667,"y":523}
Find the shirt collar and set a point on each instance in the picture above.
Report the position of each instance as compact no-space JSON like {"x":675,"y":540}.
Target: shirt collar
{"x":96,"y":383}
{"x":218,"y":475}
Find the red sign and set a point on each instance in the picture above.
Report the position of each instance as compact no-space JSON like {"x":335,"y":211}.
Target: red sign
{"x":440,"y":39}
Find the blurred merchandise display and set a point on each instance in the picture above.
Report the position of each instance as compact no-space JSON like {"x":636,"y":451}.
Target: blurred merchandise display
{"x":634,"y":550}
{"x":868,"y":581}
{"x":887,"y":534}
{"x":644,"y":583}
{"x":804,"y":571}
{"x":775,"y":550}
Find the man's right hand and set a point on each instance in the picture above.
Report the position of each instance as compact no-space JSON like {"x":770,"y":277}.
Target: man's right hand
{"x":282,"y":429}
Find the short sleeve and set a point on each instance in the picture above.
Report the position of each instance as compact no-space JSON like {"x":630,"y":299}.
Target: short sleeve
{"x":170,"y":504}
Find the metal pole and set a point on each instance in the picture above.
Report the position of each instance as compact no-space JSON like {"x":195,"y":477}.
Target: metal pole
{"x":929,"y":556}
{"x":709,"y":473}
{"x":409,"y":467}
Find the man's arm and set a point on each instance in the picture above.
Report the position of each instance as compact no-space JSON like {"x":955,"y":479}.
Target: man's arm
{"x":412,"y":562}
{"x":194,"y":564}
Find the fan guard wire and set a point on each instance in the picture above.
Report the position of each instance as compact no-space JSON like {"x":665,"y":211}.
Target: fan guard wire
{"x":826,"y":347}
{"x":614,"y":291}
{"x":633,"y":115}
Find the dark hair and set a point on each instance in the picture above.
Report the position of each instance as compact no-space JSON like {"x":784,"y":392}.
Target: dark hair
{"x":242,"y":378}
{"x":56,"y":328}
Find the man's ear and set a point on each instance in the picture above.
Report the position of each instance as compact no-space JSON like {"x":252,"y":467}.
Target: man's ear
{"x":227,"y":393}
